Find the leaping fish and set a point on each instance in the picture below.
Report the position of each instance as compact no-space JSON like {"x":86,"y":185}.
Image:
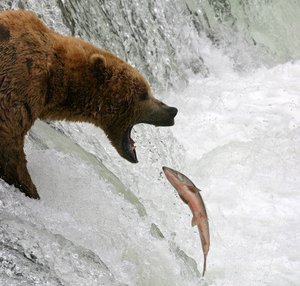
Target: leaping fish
{"x":190,"y":195}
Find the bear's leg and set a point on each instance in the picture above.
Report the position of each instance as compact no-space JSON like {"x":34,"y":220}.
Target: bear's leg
{"x":13,"y":169}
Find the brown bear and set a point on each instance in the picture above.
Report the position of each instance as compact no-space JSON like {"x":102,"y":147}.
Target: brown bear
{"x":53,"y":77}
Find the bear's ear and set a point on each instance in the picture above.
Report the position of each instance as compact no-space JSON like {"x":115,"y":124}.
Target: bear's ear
{"x":98,"y":63}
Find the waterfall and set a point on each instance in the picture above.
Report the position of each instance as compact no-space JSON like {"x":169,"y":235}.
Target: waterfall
{"x":231,"y":67}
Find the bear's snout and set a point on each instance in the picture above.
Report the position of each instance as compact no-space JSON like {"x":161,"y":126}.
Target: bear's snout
{"x":159,"y":115}
{"x":173,"y":111}
{"x":168,"y":120}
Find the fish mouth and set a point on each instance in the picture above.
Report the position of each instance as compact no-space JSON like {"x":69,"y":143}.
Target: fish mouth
{"x":128,"y":146}
{"x":168,"y":171}
{"x":173,"y":175}
{"x":170,"y":175}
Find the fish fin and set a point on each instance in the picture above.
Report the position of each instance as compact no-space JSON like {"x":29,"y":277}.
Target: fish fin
{"x":194,"y":189}
{"x":196,"y":220}
{"x":204,"y":265}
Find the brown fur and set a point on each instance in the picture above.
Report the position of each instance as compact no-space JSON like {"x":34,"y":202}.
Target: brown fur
{"x":49,"y":76}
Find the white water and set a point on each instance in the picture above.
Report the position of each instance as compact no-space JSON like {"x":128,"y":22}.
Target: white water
{"x":103,"y":221}
{"x":243,"y":151}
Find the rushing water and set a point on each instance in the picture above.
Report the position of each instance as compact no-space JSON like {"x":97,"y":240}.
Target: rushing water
{"x":231,"y":68}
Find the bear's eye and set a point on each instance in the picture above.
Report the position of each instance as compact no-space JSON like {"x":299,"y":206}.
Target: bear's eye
{"x":143,"y":96}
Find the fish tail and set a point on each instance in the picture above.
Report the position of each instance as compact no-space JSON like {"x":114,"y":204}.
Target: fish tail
{"x":204,"y":266}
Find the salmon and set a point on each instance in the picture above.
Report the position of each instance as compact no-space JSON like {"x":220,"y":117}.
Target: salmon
{"x":190,"y":195}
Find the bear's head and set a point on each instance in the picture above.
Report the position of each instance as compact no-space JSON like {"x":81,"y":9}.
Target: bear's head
{"x":126,"y":100}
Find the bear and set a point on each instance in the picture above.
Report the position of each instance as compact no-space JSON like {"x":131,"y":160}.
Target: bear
{"x":49,"y":76}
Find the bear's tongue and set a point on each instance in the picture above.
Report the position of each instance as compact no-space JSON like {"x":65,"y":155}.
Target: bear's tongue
{"x":129,"y":147}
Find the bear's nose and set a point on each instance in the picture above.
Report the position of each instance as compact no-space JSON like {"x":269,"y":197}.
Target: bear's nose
{"x":173,"y":111}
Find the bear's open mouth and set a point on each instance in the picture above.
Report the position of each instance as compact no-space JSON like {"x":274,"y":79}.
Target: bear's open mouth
{"x":129,"y":146}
